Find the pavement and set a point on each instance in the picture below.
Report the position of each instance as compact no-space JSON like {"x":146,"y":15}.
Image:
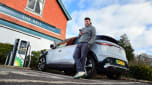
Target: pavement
{"x":21,"y":76}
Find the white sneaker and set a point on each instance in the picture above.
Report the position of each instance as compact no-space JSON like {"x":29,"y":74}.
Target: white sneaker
{"x":79,"y":75}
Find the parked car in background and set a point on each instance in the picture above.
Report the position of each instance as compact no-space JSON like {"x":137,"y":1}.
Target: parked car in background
{"x":105,"y":56}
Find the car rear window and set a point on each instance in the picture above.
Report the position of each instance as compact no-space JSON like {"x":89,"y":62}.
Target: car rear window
{"x":100,"y":37}
{"x":107,"y":38}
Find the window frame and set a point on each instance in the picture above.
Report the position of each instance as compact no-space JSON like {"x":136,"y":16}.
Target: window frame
{"x":33,"y":10}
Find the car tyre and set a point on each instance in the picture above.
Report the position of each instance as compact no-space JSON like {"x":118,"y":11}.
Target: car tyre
{"x":90,"y":67}
{"x":42,"y":64}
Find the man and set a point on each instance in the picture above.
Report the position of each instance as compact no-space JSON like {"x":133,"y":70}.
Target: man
{"x":87,"y":37}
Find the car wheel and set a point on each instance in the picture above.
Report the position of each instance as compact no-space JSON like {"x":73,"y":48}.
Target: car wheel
{"x":114,"y":76}
{"x":42,"y":64}
{"x":90,"y":67}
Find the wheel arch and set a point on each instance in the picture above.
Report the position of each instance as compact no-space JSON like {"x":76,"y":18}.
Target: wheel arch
{"x":43,"y":55}
{"x":93,"y":55}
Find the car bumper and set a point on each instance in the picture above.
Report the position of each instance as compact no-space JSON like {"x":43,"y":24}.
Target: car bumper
{"x":114,"y":68}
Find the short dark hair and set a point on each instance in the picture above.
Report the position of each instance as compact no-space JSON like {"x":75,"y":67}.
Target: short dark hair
{"x":87,"y":18}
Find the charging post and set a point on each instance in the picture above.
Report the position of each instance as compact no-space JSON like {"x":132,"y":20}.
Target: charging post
{"x":20,"y":55}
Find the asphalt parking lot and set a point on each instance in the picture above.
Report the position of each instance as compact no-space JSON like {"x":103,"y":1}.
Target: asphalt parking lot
{"x":19,"y":76}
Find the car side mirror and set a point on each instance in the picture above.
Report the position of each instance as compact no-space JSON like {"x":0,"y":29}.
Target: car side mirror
{"x":52,"y":46}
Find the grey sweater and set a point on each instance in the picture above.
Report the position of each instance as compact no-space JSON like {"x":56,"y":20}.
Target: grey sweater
{"x":88,"y":35}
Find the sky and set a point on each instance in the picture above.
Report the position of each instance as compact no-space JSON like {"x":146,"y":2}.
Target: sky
{"x":114,"y":18}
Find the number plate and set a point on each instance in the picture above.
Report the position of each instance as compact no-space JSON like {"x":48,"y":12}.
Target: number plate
{"x":120,"y":62}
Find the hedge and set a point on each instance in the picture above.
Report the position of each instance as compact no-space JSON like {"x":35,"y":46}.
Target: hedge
{"x":5,"y":48}
{"x":34,"y":59}
{"x":140,"y":72}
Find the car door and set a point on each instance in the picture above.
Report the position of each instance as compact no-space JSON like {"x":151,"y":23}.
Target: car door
{"x":52,"y":56}
{"x":64,"y":55}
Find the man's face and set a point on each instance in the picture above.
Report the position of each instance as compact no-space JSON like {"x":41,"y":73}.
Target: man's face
{"x":87,"y":22}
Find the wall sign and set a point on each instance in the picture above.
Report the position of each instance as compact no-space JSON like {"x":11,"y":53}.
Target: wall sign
{"x":15,"y":14}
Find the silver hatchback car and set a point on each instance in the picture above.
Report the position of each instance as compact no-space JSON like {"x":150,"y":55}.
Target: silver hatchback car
{"x":105,"y":57}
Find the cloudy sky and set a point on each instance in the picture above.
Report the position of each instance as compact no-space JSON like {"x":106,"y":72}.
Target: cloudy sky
{"x":114,"y":18}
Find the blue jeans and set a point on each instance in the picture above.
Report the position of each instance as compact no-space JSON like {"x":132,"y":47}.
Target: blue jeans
{"x":80,"y":56}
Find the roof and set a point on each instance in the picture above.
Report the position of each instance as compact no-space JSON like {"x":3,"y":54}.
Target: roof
{"x":64,"y":10}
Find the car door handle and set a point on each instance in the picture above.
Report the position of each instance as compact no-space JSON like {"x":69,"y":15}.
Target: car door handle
{"x":59,"y":50}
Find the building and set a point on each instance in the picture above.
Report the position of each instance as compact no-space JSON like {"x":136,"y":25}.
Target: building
{"x":144,"y":59}
{"x":39,"y":21}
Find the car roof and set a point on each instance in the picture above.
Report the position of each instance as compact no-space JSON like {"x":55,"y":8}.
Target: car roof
{"x":101,"y":37}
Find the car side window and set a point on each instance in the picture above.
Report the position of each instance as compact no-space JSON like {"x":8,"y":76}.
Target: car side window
{"x":72,"y":41}
{"x":76,"y":41}
{"x":62,"y":44}
{"x":68,"y":42}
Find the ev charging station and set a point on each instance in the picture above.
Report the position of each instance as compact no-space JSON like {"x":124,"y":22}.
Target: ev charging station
{"x":20,"y":55}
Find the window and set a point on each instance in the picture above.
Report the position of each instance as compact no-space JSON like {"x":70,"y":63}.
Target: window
{"x":62,"y":44}
{"x":67,"y":42}
{"x":76,"y":40}
{"x":107,"y":38}
{"x":35,"y":6}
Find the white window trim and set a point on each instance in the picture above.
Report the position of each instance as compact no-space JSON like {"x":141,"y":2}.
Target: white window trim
{"x":32,"y":11}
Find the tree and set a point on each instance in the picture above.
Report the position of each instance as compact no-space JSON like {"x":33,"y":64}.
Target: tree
{"x":125,"y":43}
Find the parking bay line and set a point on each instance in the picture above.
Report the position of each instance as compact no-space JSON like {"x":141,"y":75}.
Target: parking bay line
{"x":61,"y":82}
{"x":28,"y":74}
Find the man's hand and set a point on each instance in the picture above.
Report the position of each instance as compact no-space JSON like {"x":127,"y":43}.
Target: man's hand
{"x":80,"y":31}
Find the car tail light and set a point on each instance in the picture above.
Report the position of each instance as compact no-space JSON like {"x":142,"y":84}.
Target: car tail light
{"x":104,"y":44}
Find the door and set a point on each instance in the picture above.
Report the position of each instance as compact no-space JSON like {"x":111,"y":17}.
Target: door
{"x":63,"y":54}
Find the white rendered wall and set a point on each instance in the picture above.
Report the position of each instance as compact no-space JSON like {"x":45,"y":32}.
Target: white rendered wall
{"x":9,"y":36}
